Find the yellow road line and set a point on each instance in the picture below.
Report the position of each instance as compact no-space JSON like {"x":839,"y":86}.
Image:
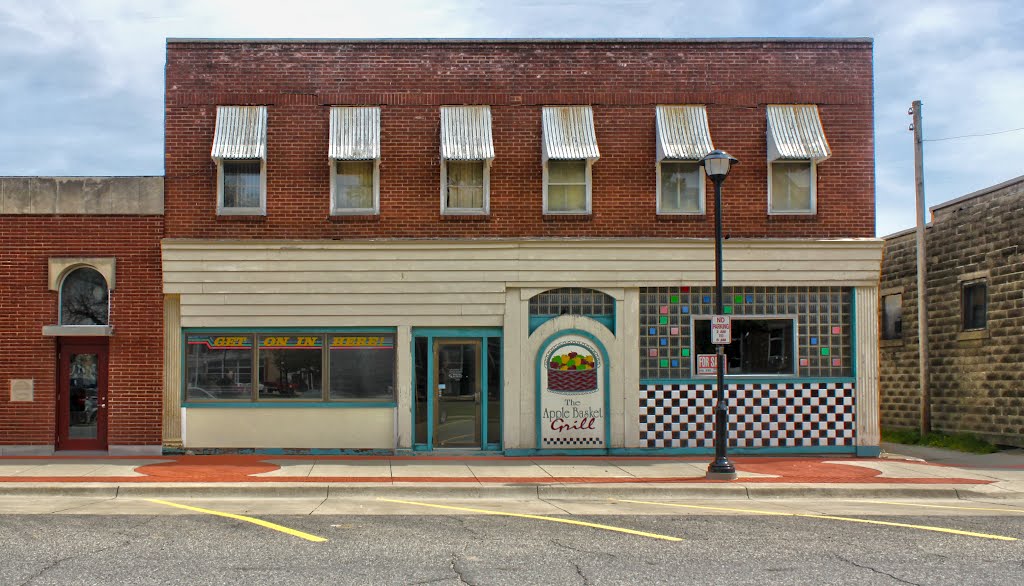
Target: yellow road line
{"x":539,"y":518}
{"x":260,"y":522}
{"x":942,"y":506}
{"x":832,"y":517}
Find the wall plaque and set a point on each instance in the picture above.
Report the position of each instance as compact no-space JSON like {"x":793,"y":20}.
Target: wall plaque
{"x":22,"y":390}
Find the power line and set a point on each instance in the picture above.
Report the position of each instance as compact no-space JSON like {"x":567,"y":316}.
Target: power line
{"x":972,"y":135}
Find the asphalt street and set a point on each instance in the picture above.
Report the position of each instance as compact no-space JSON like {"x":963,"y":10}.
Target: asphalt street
{"x":719,"y":544}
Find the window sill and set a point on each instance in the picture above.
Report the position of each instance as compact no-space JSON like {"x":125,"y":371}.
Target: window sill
{"x":973,"y":335}
{"x":54,"y":331}
{"x":793,"y":215}
{"x":465,"y":217}
{"x":354,"y":217}
{"x":568,"y":217}
{"x":253,"y":217}
{"x":680,"y":216}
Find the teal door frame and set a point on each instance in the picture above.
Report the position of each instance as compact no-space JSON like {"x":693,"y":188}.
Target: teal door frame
{"x":430,"y":334}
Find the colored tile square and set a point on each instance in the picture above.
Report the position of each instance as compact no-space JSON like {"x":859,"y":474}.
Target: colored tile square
{"x":653,"y":353}
{"x":664,"y":309}
{"x":686,"y":309}
{"x":825,"y":352}
{"x":814,"y":341}
{"x":684,"y":289}
{"x":804,"y":362}
{"x":675,"y":363}
{"x":664,"y":363}
{"x":663,"y":341}
{"x":685,"y":352}
{"x":837,"y":362}
{"x":674,"y":299}
{"x":837,"y":329}
{"x":652,"y":331}
{"x":707,"y":299}
{"x":750,"y":298}
{"x":663,"y":320}
{"x":737,"y":299}
{"x":674,"y":331}
{"x":728,"y":309}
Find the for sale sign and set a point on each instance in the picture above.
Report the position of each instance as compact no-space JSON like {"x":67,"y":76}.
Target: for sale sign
{"x":721,"y":330}
{"x":707,"y":364}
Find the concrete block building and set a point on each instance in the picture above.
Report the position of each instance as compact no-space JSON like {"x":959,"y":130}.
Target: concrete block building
{"x":506,"y":246}
{"x":975,"y":269}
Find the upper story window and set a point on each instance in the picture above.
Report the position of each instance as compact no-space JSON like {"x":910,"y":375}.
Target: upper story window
{"x":974,"y":296}
{"x":683,"y":139}
{"x":892,"y":316}
{"x":240,"y":151}
{"x":84,"y":298}
{"x":796,"y":144}
{"x":354,"y":155}
{"x":467,"y":150}
{"x":569,"y":150}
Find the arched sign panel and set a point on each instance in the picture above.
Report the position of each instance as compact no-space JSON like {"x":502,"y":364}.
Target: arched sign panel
{"x":573,"y":409}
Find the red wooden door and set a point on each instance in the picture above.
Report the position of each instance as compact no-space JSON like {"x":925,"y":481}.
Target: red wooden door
{"x":82,"y":394}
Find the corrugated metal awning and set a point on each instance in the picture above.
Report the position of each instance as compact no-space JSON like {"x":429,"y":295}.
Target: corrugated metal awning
{"x":241,"y":133}
{"x":355,"y":133}
{"x":683,"y":132}
{"x":466,"y":133}
{"x":569,"y":133}
{"x":795,"y":133}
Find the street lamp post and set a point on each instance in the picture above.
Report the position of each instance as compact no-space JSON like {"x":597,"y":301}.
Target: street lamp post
{"x":716,"y":164}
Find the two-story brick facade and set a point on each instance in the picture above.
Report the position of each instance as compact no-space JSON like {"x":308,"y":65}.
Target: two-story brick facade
{"x":507,"y":245}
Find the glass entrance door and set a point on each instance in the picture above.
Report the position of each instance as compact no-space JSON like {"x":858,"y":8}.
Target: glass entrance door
{"x":82,"y":396}
{"x":456,"y":391}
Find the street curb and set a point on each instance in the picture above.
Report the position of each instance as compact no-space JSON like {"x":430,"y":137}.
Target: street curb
{"x":736,"y":491}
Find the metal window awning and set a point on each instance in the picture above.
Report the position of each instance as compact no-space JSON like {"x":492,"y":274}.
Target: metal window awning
{"x":355,"y":133}
{"x":795,"y":134}
{"x":569,"y":133}
{"x":683,"y":132}
{"x":466,"y":133}
{"x":241,"y":133}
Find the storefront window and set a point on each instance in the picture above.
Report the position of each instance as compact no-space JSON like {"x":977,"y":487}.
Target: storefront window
{"x":362,"y":367}
{"x":219,"y":367}
{"x":759,"y":346}
{"x":291,"y":367}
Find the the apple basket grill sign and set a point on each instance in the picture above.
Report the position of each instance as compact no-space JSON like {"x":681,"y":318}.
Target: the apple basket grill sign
{"x":572,"y":395}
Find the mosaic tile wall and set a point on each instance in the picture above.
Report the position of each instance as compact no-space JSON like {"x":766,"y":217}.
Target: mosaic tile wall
{"x":823,"y":325}
{"x":572,"y":301}
{"x":760,"y":415}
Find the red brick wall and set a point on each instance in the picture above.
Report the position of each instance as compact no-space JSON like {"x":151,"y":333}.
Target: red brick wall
{"x":622,"y":81}
{"x":136,"y":313}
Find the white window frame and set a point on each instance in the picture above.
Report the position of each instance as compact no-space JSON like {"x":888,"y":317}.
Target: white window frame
{"x":814,"y":189}
{"x":701,"y":194}
{"x":451,"y":211}
{"x":589,"y":180}
{"x":226,"y":211}
{"x":371,"y":211}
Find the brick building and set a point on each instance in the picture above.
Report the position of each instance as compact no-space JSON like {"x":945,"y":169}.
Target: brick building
{"x":80,"y":314}
{"x":508,"y":245}
{"x":975,"y":318}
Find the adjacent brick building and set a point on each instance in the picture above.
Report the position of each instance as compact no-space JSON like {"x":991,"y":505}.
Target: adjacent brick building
{"x":975,"y":256}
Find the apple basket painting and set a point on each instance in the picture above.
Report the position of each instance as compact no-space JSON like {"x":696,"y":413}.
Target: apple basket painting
{"x":572,"y":372}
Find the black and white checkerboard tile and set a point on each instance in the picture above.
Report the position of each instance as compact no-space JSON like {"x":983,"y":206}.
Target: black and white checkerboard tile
{"x":574,"y":441}
{"x":760,"y":415}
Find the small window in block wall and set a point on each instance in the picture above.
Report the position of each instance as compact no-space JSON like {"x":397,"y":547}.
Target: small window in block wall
{"x":975,"y":305}
{"x":892,"y":316}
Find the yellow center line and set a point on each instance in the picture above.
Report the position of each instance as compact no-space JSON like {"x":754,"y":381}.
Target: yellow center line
{"x":539,"y":518}
{"x":832,"y":517}
{"x":942,"y":506}
{"x":260,"y":522}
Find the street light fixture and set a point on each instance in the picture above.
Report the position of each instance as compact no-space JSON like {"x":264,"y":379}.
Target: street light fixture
{"x":717,"y":164}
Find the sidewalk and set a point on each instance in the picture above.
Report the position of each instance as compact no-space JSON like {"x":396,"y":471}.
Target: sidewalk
{"x":902,"y":471}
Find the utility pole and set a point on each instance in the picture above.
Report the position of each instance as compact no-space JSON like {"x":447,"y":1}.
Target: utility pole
{"x":922,"y":272}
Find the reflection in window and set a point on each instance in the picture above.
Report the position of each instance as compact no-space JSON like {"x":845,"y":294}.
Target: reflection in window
{"x":84,"y":299}
{"x":219,"y":367}
{"x":680,"y":187}
{"x":975,"y":305}
{"x":362,"y":367}
{"x":291,"y":367}
{"x":759,"y":346}
{"x":892,"y":316}
{"x":792,"y":190}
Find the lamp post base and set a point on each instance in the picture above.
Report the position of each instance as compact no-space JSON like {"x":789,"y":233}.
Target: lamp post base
{"x":720,"y":475}
{"x":721,"y":469}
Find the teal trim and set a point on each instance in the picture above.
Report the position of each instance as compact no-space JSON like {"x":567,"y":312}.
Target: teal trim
{"x":853,"y":331}
{"x":422,"y":448}
{"x":483,"y":332}
{"x":430,"y":392}
{"x":742,"y":380}
{"x":607,"y":321}
{"x":373,"y":330}
{"x":869,"y":451}
{"x":538,"y":363}
{"x":291,"y":405}
{"x":542,"y":452}
{"x":483,"y":391}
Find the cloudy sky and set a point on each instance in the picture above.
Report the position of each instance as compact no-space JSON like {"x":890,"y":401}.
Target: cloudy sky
{"x":81,"y":83}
